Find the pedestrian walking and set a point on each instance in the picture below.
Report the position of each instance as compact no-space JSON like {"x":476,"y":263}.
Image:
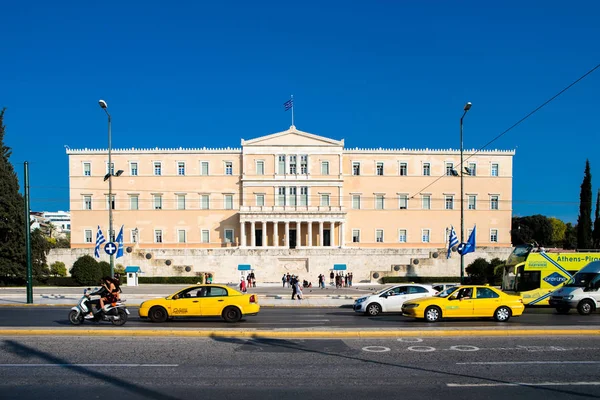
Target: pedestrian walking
{"x":298,"y":289}
{"x":294,"y":287}
{"x":283,"y":280}
{"x":331,"y":276}
{"x":243,"y":285}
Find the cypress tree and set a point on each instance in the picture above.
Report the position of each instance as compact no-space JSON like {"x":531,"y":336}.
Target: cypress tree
{"x":596,"y":234}
{"x":584,"y":222}
{"x":12,"y":215}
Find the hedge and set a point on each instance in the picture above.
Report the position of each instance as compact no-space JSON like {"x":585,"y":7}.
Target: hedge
{"x":420,"y":279}
{"x":169,"y":279}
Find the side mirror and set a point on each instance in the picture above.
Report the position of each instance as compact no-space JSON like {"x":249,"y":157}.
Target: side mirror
{"x":453,"y":297}
{"x":175,"y":297}
{"x":384,"y":295}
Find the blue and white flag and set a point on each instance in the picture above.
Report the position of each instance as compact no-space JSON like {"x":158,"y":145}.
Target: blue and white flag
{"x":289,"y":104}
{"x":469,"y":247}
{"x":120,"y":243}
{"x":99,"y":240}
{"x":453,"y":241}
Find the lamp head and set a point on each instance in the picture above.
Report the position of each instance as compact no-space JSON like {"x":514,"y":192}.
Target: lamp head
{"x":467,"y":106}
{"x":105,"y":106}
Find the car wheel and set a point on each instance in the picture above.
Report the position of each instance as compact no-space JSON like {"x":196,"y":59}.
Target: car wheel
{"x":433,"y":314}
{"x":502,"y":314}
{"x":585,"y":307}
{"x":563,"y":310}
{"x":373,"y":309}
{"x":232,"y":314}
{"x":158,"y":314}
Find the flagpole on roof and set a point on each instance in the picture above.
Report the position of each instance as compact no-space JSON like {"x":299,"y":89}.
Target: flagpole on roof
{"x":292,"y":110}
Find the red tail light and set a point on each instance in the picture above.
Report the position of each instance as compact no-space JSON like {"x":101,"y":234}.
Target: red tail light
{"x":252,"y":299}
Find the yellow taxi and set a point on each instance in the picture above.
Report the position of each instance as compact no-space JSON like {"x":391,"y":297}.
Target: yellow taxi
{"x":466,"y":302}
{"x":201,"y":301}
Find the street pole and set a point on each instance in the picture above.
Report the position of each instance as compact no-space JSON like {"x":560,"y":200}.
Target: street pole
{"x":462,"y":195}
{"x":28,"y":236}
{"x":110,"y":198}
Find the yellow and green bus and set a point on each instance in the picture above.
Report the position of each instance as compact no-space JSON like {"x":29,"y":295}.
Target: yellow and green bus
{"x":534,"y":273}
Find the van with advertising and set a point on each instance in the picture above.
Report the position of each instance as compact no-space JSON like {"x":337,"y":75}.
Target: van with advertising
{"x":581,"y":292}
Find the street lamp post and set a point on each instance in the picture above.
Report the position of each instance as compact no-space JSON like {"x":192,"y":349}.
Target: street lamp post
{"x":104,"y":106}
{"x":462,"y":195}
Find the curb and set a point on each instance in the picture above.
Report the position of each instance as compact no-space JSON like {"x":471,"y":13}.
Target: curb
{"x":296,"y":335}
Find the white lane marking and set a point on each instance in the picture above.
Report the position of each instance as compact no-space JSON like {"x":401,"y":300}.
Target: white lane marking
{"x":523,"y":384}
{"x":376,"y":349}
{"x":423,"y":349}
{"x":87,"y":365}
{"x":462,"y":347}
{"x":525,"y":362}
{"x":410,"y":340}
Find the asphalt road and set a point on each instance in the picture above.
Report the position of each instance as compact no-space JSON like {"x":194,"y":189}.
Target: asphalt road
{"x":197,"y":368}
{"x":294,"y":318}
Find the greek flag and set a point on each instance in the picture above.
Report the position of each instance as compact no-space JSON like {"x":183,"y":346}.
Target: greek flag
{"x":99,"y":240}
{"x":453,"y":241}
{"x":288,"y":104}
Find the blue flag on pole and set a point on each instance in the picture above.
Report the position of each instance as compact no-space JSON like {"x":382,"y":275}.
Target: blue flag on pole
{"x":120,"y":243}
{"x":453,"y":241}
{"x":99,"y":240}
{"x":469,"y":247}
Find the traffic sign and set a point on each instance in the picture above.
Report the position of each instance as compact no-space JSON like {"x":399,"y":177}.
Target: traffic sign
{"x":110,"y":248}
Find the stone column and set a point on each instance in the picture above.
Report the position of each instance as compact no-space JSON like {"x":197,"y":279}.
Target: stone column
{"x":321,"y":233}
{"x":242,"y":234}
{"x":287,"y":234}
{"x":275,"y":234}
{"x":264,"y":234}
{"x":309,"y":242}
{"x":332,"y":234}
{"x":253,"y":233}
{"x":342,"y":234}
{"x":298,"y":234}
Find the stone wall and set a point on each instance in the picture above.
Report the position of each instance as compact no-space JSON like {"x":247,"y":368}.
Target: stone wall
{"x":269,"y":265}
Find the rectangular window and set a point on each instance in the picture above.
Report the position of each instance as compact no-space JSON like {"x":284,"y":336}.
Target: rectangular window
{"x":379,"y":235}
{"x":403,"y":201}
{"x":281,"y":196}
{"x":402,"y":235}
{"x":355,"y":168}
{"x":204,"y":168}
{"x":260,"y":168}
{"x":110,"y":202}
{"x":355,"y":236}
{"x":403,"y":169}
{"x":204,"y":204}
{"x":426,"y":169}
{"x":134,"y":235}
{"x":112,"y":168}
{"x":88,"y":236}
{"x":281,"y":164}
{"x":205,"y":236}
{"x":449,"y":203}
{"x":426,"y":202}
{"x":494,"y":170}
{"x":157,"y":168}
{"x":87,"y":202}
{"x":260,"y":200}
{"x":379,"y":202}
{"x":292,"y":192}
{"x":181,"y":201}
{"x":158,"y":236}
{"x":494,"y":200}
{"x":449,"y":169}
{"x":324,"y":167}
{"x":229,"y":202}
{"x":228,"y":168}
{"x":304,"y":196}
{"x":292,"y":165}
{"x":134,"y":203}
{"x":304,"y":164}
{"x":379,"y":169}
{"x":472,"y":169}
{"x":472,"y":202}
{"x":181,"y":236}
{"x":181,"y":168}
{"x":228,"y":235}
{"x":158,"y":202}
{"x":425,"y":235}
{"x":133,"y":169}
{"x":324,"y":200}
{"x":87,"y":169}
{"x":356,"y":201}
{"x":494,"y":236}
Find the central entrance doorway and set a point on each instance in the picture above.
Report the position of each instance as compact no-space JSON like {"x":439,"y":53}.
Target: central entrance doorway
{"x":292,"y":238}
{"x":259,"y":237}
{"x":326,"y":237}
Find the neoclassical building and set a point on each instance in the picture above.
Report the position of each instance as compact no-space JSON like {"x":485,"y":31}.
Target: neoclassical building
{"x":290,"y":190}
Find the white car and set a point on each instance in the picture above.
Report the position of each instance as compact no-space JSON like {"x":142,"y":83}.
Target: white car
{"x":391,"y":298}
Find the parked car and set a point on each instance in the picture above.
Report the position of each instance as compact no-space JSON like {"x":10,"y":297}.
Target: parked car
{"x":391,"y":298}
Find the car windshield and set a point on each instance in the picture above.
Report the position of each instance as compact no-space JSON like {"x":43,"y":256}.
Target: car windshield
{"x":581,"y":279}
{"x":446,"y":292}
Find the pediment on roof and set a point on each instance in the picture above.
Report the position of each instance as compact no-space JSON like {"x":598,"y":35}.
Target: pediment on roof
{"x":292,"y":137}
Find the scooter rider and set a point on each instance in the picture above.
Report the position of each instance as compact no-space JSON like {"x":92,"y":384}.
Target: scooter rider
{"x":102,"y":291}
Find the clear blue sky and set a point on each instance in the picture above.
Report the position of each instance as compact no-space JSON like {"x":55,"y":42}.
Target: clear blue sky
{"x":376,"y":73}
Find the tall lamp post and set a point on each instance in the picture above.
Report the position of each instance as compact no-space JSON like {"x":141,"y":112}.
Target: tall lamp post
{"x":108,"y":176}
{"x":462,"y":195}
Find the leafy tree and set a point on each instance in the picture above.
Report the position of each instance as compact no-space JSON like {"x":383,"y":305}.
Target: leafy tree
{"x":596,"y":233}
{"x":12,"y":214}
{"x":105,"y":268}
{"x":58,"y":268}
{"x":86,"y":271}
{"x":570,"y":242}
{"x":584,"y":222}
{"x":558,"y":231}
{"x":481,"y":271}
{"x":119,"y":269}
{"x":39,"y":249}
{"x":536,"y":228}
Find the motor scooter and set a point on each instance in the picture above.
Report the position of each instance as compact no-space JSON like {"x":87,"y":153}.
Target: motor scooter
{"x":116,"y":313}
